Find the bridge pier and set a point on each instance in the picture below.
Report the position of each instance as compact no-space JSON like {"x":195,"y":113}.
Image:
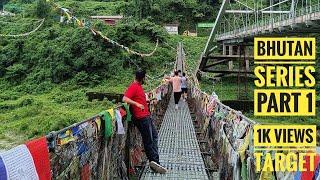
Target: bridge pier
{"x":230,"y":65}
{"x":229,"y":50}
{"x":247,"y":65}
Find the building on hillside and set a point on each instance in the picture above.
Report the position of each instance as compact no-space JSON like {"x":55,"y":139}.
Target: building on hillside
{"x":110,"y":20}
{"x":172,"y":28}
{"x":204,"y":29}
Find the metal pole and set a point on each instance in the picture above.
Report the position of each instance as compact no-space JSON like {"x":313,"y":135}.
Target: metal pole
{"x":214,"y":29}
{"x":239,"y":69}
{"x":245,"y":74}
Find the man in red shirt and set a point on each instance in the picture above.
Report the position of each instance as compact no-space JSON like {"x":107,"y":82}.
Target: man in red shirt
{"x":136,"y":98}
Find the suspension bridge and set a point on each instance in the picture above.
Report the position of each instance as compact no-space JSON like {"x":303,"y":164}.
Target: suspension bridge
{"x":238,"y":22}
{"x":204,"y":139}
{"x":193,"y":142}
{"x":179,"y":150}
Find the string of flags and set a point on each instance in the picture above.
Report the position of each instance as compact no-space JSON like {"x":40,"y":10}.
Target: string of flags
{"x":24,"y":34}
{"x":71,"y":18}
{"x":95,"y":32}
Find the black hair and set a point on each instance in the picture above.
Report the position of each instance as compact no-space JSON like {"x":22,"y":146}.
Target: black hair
{"x":140,"y":75}
{"x":176,"y":73}
{"x":183,"y":74}
{"x":179,"y":71}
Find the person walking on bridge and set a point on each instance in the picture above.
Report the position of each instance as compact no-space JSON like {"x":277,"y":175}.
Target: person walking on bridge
{"x":176,"y":84}
{"x":136,"y":98}
{"x":184,"y":86}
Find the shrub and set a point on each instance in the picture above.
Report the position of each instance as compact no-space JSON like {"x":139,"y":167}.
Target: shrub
{"x":16,"y":72}
{"x":42,"y":8}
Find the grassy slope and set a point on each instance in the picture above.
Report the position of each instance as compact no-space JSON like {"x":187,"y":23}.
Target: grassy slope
{"x":26,"y":116}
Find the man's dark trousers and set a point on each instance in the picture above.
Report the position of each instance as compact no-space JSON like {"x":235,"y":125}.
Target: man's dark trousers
{"x":149,"y":137}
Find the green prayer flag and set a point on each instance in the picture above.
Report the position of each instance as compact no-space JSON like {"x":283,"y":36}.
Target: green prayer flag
{"x":107,"y":124}
{"x":244,"y":170}
{"x":125,"y":105}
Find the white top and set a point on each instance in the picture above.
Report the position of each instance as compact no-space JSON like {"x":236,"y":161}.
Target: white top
{"x":183,"y":82}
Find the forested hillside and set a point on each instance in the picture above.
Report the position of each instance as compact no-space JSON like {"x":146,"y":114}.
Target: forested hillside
{"x":44,"y":76}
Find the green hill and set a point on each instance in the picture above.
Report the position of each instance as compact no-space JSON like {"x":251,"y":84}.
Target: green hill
{"x":44,"y":76}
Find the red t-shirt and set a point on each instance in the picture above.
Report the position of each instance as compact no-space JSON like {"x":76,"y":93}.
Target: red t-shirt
{"x":136,"y":93}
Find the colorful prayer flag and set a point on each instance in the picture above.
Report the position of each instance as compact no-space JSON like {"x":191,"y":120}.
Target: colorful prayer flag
{"x":27,"y":161}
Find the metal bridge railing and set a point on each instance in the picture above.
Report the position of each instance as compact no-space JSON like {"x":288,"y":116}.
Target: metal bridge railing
{"x":267,"y":23}
{"x":116,"y":157}
{"x":226,"y":135}
{"x":226,"y":138}
{"x":94,"y":148}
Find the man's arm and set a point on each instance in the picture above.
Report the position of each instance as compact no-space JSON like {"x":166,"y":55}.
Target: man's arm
{"x":168,"y":79}
{"x":131,"y":102}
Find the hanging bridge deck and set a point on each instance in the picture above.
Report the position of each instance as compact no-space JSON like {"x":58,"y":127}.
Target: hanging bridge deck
{"x":178,"y":147}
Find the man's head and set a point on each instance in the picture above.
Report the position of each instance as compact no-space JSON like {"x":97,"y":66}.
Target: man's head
{"x":176,"y":73}
{"x":183,"y":74}
{"x":140,"y":76}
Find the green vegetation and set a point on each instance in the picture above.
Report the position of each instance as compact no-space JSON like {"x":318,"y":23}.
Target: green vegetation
{"x":44,"y":76}
{"x":228,"y":88}
{"x":185,"y":12}
{"x":25,"y":116}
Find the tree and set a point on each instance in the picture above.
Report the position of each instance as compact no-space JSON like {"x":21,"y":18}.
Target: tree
{"x":2,"y":3}
{"x":42,"y":9}
{"x":143,"y":8}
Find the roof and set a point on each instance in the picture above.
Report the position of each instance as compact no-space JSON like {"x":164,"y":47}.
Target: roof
{"x":107,"y":17}
{"x":205,"y":25}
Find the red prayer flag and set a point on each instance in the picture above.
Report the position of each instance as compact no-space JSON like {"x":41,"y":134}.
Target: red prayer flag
{"x":40,"y":154}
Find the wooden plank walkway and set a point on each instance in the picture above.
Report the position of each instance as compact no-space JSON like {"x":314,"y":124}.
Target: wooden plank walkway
{"x":178,"y":147}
